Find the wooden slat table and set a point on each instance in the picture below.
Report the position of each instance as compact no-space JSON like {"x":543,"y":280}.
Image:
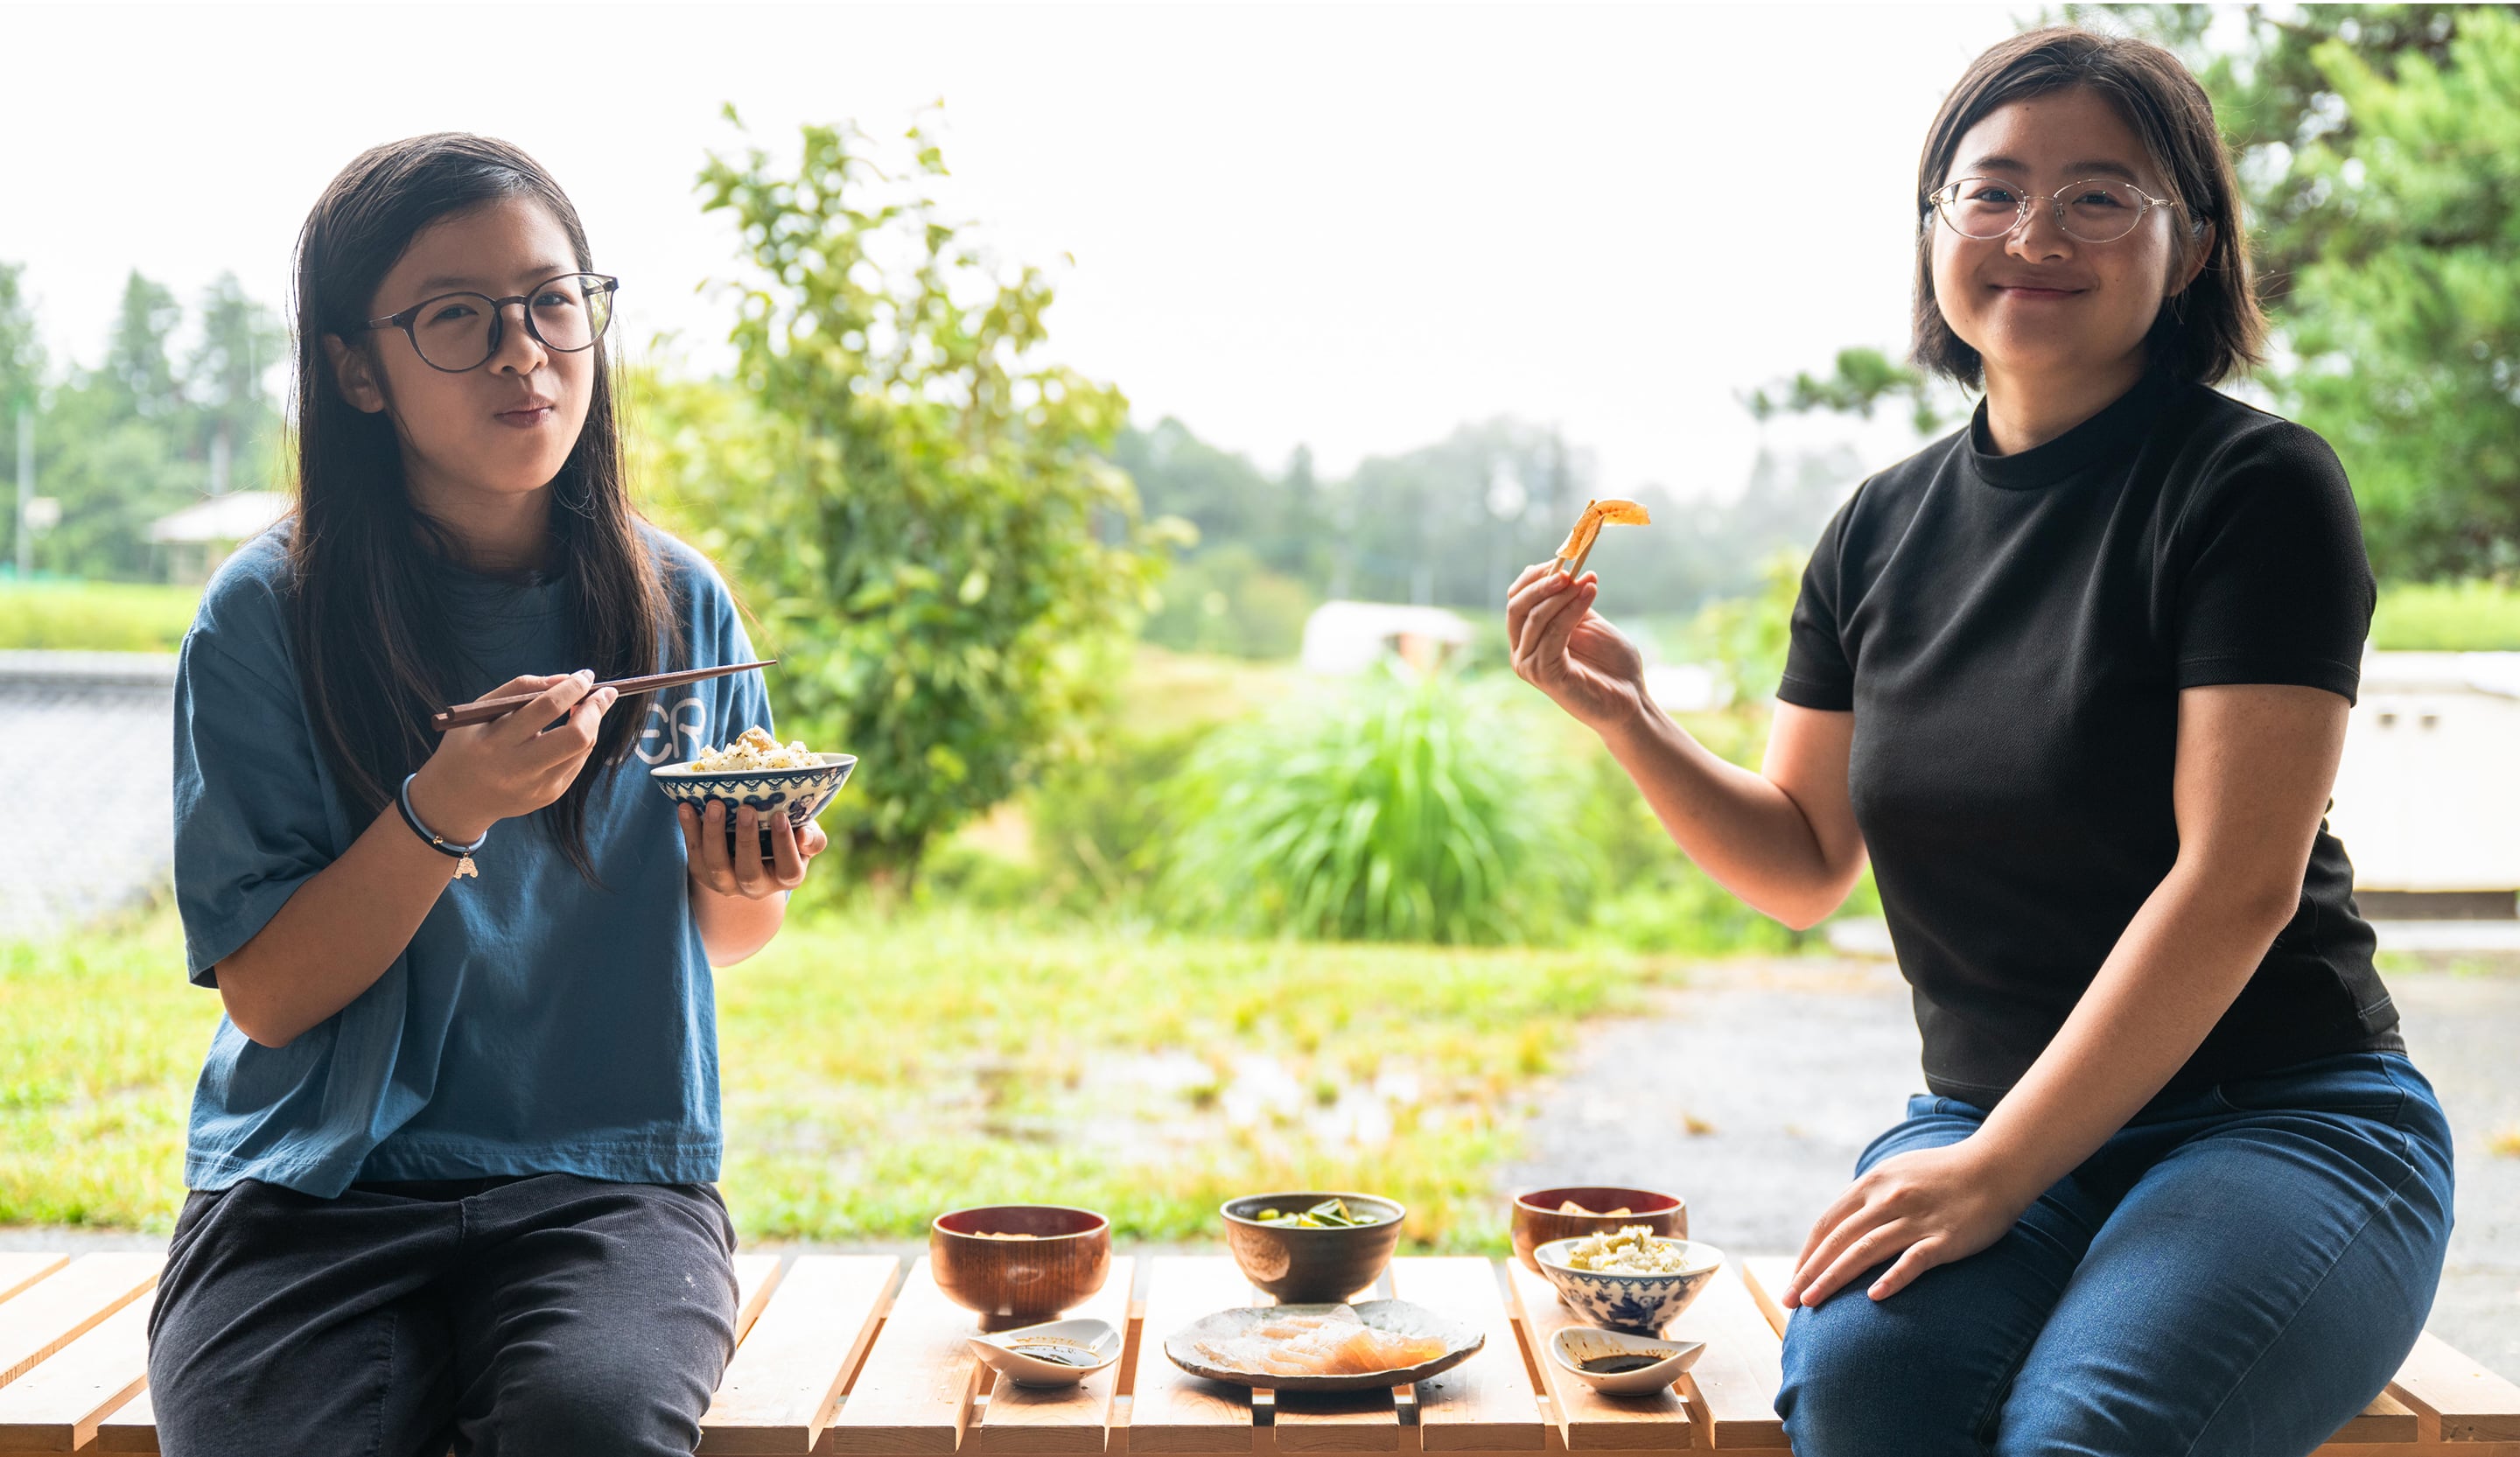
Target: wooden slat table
{"x":859,"y":1356}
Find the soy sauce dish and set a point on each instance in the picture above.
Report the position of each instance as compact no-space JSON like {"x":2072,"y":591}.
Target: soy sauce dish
{"x":1618,"y":1364}
{"x":1060,"y":1354}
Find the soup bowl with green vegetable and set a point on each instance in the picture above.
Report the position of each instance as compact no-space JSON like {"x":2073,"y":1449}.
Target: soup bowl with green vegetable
{"x":1312,"y":1248}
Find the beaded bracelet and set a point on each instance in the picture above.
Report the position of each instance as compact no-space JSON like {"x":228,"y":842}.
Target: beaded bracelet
{"x":463,"y":853}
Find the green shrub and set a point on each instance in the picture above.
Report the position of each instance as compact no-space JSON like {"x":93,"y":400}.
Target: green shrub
{"x":1381,"y":810}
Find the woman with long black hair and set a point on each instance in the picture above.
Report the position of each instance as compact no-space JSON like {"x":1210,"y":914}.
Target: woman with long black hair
{"x":2075,"y":681}
{"x":452,"y":1146}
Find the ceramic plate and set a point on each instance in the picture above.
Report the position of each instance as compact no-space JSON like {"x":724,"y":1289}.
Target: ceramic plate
{"x":1462,"y":1341}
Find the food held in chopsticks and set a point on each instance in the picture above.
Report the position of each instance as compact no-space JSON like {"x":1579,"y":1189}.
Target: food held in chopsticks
{"x":1335,"y":1342}
{"x":1588,"y":527}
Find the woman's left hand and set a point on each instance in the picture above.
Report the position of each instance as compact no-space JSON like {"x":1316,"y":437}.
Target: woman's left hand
{"x":741,"y":871}
{"x":1925,"y":1207}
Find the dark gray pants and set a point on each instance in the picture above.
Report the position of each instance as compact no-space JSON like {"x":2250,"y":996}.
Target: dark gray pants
{"x":547,"y":1315}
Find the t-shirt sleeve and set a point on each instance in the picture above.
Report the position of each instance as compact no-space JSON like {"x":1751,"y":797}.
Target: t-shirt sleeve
{"x":250,"y":825}
{"x":2276,"y":588}
{"x":1817,"y":672}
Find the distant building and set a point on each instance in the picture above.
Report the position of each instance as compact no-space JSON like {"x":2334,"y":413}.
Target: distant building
{"x":2428,"y":795}
{"x":1344,"y":638}
{"x":198,"y":538}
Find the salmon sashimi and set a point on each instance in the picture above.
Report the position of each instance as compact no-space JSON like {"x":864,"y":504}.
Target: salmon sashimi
{"x":1336,"y":1343}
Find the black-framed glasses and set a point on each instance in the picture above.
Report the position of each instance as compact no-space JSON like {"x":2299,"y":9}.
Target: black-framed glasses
{"x":454,"y":333}
{"x":2095,"y":209}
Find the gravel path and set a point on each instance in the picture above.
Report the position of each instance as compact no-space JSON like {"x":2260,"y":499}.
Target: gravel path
{"x":1752,"y":1091}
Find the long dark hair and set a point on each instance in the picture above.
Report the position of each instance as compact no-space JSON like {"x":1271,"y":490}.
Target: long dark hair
{"x":2204,"y":333}
{"x":373,"y":625}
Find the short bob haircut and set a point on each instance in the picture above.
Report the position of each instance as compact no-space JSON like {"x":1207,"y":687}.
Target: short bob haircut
{"x":2204,"y":334}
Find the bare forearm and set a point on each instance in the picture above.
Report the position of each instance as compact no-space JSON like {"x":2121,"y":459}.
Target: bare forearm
{"x":335,"y":936}
{"x":735,"y":927}
{"x":2174,"y":972}
{"x":1739,"y":826}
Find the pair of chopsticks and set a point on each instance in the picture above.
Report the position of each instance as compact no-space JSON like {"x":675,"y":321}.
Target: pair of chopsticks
{"x":482,"y":711}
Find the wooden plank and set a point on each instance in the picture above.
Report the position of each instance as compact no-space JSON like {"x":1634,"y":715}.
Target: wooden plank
{"x":1487,"y":1403}
{"x":56,"y":1407}
{"x":58,"y":1309}
{"x":1586,"y":1419}
{"x":1733,"y":1387}
{"x":2385,"y":1420}
{"x":779,"y":1392}
{"x":915,"y":1391}
{"x":1173,"y":1412}
{"x":2454,"y":1399}
{"x":1767,"y":1276}
{"x":130,"y":1428}
{"x":1067,"y":1419}
{"x":20,"y":1269}
{"x":755,"y":1276}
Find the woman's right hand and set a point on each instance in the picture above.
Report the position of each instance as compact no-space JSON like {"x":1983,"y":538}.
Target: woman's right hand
{"x":513,"y":765}
{"x":1567,"y":651}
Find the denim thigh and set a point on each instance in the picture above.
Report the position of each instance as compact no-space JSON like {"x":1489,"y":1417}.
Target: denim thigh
{"x":2240,"y":1273}
{"x":2259,"y":1283}
{"x":1923,"y":1374}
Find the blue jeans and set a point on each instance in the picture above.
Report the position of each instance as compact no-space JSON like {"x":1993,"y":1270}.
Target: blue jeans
{"x":2235,"y":1272}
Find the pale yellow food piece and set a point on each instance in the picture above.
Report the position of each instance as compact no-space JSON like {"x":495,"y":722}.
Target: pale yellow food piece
{"x":988,"y":1235}
{"x":1570,"y":1206}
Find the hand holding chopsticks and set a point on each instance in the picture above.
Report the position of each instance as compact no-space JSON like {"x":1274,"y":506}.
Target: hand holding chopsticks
{"x":482,"y":711}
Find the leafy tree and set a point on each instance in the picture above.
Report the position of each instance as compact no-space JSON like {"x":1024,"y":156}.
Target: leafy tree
{"x":1864,"y":379}
{"x":22,"y":348}
{"x":224,"y":377}
{"x":918,"y":508}
{"x":137,"y":365}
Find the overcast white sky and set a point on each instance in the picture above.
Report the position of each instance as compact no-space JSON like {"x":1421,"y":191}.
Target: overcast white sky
{"x":1347,"y":227}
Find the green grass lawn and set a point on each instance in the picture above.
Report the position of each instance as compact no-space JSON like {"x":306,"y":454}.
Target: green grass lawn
{"x":875,"y":1072}
{"x":108,"y":617}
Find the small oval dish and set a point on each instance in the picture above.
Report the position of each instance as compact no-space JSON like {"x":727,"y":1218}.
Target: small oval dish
{"x":1630,"y":1303}
{"x":1060,"y":1354}
{"x":1573,"y":1346}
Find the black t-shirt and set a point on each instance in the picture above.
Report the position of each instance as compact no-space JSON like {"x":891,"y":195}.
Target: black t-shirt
{"x":2012,"y":633}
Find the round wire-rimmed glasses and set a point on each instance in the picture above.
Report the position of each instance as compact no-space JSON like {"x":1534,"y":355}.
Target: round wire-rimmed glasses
{"x":2094,"y":210}
{"x":455,"y":333}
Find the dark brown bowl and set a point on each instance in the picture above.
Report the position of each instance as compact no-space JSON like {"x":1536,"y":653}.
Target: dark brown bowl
{"x":1010,"y":1283}
{"x":1311,"y":1266}
{"x":1536,"y":1221}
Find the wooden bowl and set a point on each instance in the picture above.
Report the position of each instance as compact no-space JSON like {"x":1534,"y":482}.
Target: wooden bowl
{"x":1010,"y":1283}
{"x":1536,"y":1221}
{"x":1304,"y":1266}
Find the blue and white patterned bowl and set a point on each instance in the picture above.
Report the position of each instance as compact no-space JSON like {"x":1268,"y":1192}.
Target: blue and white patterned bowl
{"x":1630,"y":1303}
{"x":800,"y":793}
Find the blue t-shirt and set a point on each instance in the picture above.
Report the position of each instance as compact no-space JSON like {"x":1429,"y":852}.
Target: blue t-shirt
{"x":535,"y":1023}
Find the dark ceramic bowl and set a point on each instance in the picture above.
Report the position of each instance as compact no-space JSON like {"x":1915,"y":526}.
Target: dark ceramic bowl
{"x":1309,"y":1267}
{"x":1536,"y":1221}
{"x":1009,"y":1283}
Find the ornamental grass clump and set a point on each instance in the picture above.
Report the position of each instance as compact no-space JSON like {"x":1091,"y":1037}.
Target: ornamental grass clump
{"x":1387,"y":810}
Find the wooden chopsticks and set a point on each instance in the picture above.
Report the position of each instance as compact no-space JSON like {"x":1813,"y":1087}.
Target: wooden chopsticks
{"x":482,"y":711}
